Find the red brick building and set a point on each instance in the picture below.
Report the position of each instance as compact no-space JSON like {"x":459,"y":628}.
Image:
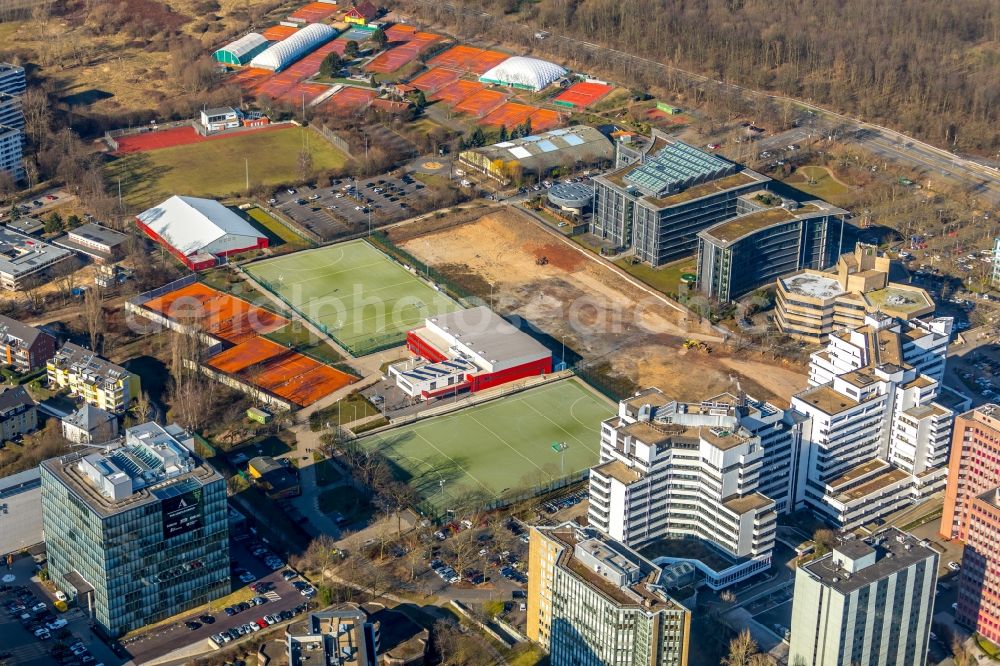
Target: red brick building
{"x":972,"y":515}
{"x":973,"y":468}
{"x":979,"y":580}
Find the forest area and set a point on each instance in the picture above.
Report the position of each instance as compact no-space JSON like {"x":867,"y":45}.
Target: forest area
{"x":928,"y":68}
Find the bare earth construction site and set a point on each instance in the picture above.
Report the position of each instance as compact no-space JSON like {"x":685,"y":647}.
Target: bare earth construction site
{"x":508,"y":260}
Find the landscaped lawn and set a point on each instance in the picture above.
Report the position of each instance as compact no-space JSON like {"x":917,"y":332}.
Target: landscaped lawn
{"x":216,"y":168}
{"x":347,"y":501}
{"x":297,"y":336}
{"x":271,"y":445}
{"x":354,"y":406}
{"x":277,"y":233}
{"x":666,"y":279}
{"x":817,"y":181}
{"x":327,"y":473}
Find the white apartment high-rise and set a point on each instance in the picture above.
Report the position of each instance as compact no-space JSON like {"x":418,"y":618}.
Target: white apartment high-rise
{"x":12,"y":79}
{"x":594,"y":602}
{"x":868,"y":602}
{"x":12,"y":151}
{"x":12,"y":86}
{"x":672,"y":470}
{"x":876,"y":436}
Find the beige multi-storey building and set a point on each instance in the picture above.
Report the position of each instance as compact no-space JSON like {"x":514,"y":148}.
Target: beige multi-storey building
{"x":99,"y":382}
{"x":811,"y":304}
{"x":594,"y":602}
{"x":691,"y":472}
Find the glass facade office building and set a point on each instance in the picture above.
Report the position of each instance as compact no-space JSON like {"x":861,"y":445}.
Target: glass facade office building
{"x":138,"y":533}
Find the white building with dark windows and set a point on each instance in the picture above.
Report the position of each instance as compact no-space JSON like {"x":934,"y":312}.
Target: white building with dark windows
{"x":12,"y":79}
{"x":673,"y":472}
{"x":878,"y":431}
{"x":12,"y":151}
{"x":867,"y":602}
{"x":11,"y":114}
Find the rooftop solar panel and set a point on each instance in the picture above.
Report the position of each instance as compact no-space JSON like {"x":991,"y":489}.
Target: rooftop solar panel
{"x":676,"y":166}
{"x":573,"y":139}
{"x":546,"y":146}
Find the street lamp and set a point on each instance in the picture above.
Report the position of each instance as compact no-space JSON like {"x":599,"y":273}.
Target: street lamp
{"x":560,"y":448}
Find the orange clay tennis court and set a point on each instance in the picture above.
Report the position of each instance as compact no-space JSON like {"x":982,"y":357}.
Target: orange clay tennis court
{"x":512,"y":114}
{"x":583,"y":94}
{"x":277,"y":33}
{"x":434,"y":79}
{"x":314,"y":12}
{"x":304,"y":93}
{"x":454,"y":93}
{"x":480,"y":103}
{"x":309,"y":387}
{"x":348,"y":100}
{"x":249,"y":78}
{"x":469,"y":59}
{"x":219,"y":314}
{"x":280,"y":371}
{"x":400,"y":33}
{"x":394,"y":58}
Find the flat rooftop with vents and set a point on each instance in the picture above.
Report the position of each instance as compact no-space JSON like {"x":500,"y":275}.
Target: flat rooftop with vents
{"x":149,"y":464}
{"x":855,"y":564}
{"x":22,"y":256}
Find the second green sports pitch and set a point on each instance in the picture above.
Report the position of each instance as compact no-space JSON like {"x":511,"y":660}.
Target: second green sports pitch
{"x":505,"y":448}
{"x":354,"y":292}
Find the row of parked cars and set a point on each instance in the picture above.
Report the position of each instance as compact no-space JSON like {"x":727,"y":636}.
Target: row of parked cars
{"x":236,"y":609}
{"x":565,"y":502}
{"x":445,"y":572}
{"x":236,"y":632}
{"x":33,"y":614}
{"x":73,"y":654}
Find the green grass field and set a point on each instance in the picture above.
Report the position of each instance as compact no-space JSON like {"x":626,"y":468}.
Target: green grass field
{"x":817,"y":181}
{"x":276,"y":232}
{"x":666,"y":278}
{"x":354,"y":292}
{"x":500,"y":448}
{"x":216,"y":168}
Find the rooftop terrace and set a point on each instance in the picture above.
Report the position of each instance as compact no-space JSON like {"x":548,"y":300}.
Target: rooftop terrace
{"x":897,"y":298}
{"x":827,"y":400}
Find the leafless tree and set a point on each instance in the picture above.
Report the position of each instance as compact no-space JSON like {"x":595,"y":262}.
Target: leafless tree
{"x":93,"y":315}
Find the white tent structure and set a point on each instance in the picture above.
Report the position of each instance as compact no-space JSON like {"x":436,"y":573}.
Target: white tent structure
{"x":287,"y":51}
{"x":196,"y":231}
{"x":522,"y":72}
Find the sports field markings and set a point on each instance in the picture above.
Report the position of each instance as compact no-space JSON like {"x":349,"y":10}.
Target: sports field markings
{"x":504,"y":441}
{"x":325,"y":268}
{"x":559,"y":427}
{"x":464,"y":471}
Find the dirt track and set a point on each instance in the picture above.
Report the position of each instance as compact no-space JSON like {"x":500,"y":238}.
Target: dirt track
{"x":508,"y":261}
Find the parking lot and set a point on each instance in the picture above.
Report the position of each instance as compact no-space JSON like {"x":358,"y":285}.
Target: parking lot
{"x":33,"y":632}
{"x":348,"y":206}
{"x":278,"y":597}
